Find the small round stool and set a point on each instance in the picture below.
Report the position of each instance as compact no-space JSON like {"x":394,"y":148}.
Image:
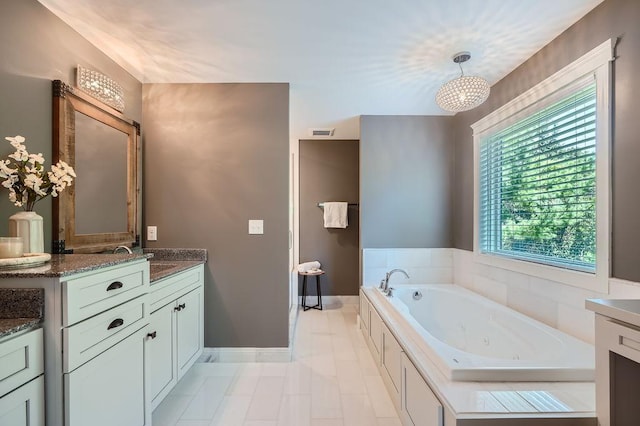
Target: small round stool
{"x":317,"y":274}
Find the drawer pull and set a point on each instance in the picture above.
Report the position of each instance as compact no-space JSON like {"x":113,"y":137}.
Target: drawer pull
{"x":115,"y":286}
{"x":115,"y":323}
{"x":152,"y":335}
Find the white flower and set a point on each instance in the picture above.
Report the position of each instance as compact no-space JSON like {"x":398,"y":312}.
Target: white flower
{"x":34,"y":182}
{"x":36,"y":158}
{"x":16,"y":142}
{"x":5,"y":170}
{"x":8,"y":183}
{"x":20,"y":155}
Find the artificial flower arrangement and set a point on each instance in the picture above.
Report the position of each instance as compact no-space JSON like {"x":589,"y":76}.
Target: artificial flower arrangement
{"x":25,"y":177}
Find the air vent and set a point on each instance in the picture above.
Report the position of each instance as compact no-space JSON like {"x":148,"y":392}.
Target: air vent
{"x":321,"y":132}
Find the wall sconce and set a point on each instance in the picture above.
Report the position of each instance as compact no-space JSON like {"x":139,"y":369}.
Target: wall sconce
{"x":100,"y":87}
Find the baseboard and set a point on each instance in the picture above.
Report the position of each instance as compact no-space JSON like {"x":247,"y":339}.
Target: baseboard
{"x":246,"y":355}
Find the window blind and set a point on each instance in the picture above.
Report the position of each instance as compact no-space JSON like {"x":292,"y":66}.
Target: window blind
{"x":537,"y":185}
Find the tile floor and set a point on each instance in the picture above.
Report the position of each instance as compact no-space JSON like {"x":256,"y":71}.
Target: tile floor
{"x":332,"y":381}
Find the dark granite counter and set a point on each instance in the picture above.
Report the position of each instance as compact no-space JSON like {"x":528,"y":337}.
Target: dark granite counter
{"x":20,"y":309}
{"x":62,"y":265}
{"x":169,"y":261}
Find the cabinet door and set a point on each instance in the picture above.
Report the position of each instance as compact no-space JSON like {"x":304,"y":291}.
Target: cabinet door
{"x":391,"y":365}
{"x":419,"y":405}
{"x":109,"y":389}
{"x":160,"y":354}
{"x":375,"y":330}
{"x":188,"y":329}
{"x":24,"y":406}
{"x":364,"y":313}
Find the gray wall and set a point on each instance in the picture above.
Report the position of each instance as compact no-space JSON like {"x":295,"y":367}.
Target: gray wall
{"x":38,"y":47}
{"x":217,"y":155}
{"x":329,"y":172}
{"x":406,"y":165}
{"x":610,"y":19}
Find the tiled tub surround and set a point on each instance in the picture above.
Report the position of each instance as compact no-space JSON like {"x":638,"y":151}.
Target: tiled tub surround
{"x":555,"y":304}
{"x":20,"y":309}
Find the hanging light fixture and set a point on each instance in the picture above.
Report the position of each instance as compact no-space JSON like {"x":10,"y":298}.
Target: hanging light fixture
{"x":465,"y":92}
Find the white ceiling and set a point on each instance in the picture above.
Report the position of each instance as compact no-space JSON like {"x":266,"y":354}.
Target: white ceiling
{"x":342,"y":58}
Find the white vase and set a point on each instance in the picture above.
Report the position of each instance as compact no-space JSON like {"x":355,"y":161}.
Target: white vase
{"x":29,"y":226}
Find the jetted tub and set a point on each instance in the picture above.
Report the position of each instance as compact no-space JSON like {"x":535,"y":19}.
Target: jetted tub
{"x":471,"y":338}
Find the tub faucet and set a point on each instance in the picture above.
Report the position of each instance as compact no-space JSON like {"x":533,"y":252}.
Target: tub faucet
{"x":127,"y":249}
{"x":385,"y":288}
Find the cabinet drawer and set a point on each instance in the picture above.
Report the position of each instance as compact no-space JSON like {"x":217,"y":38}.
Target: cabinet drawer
{"x":90,"y":294}
{"x":89,"y":338}
{"x":172,"y":287}
{"x":21,"y":359}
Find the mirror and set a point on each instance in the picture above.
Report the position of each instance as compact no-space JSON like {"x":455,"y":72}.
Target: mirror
{"x":99,"y":211}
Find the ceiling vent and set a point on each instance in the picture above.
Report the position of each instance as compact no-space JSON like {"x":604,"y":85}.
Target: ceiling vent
{"x":321,"y":132}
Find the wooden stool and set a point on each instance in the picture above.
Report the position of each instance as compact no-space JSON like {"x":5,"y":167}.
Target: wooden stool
{"x":317,"y":274}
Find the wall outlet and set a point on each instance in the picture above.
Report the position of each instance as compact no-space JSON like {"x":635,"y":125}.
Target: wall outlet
{"x":152,"y":233}
{"x":256,"y":226}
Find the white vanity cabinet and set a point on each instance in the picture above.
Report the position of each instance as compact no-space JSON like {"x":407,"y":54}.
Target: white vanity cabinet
{"x":176,"y":331}
{"x":105,"y":318}
{"x":21,"y":380}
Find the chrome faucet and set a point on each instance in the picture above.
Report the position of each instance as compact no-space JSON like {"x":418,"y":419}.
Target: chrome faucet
{"x":127,"y":249}
{"x":384,"y":284}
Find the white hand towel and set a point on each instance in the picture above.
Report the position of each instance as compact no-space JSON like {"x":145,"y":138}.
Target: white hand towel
{"x":335,"y":214}
{"x":309,"y":266}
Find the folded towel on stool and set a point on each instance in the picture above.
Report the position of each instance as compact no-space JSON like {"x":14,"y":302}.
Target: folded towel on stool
{"x":309,"y":266}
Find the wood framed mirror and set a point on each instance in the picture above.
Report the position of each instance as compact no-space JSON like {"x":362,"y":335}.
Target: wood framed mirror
{"x":99,"y":211}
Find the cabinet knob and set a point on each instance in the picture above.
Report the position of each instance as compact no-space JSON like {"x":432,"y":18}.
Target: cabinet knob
{"x":182,"y":306}
{"x":115,"y":323}
{"x":152,"y":335}
{"x":115,"y":285}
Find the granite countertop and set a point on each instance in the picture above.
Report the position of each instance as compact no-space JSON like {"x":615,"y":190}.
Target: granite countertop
{"x":166,"y":262}
{"x":20,"y":309}
{"x":62,"y":265}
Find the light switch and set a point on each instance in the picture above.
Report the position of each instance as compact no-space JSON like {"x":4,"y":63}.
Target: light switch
{"x":256,"y":226}
{"x":152,"y":233}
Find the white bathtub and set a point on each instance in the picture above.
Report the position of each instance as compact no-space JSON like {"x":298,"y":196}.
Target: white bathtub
{"x":471,"y":338}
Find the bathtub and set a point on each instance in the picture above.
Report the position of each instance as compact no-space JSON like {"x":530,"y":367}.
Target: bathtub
{"x":471,"y":338}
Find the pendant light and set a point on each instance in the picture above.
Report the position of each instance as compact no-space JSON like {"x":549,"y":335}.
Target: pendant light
{"x":465,"y":92}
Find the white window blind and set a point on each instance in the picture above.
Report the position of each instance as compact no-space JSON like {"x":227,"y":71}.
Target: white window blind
{"x":537,"y":189}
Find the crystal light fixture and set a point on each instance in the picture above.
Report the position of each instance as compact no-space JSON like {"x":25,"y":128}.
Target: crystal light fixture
{"x":100,"y":87}
{"x":465,"y":92}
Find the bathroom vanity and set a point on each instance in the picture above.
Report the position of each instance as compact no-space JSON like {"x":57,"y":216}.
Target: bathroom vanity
{"x":617,"y":361}
{"x":21,"y":357}
{"x":107,"y":348}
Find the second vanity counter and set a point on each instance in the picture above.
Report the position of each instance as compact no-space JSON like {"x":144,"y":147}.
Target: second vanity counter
{"x":165,"y":262}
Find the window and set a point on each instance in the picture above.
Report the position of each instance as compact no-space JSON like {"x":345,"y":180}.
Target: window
{"x":542,"y":177}
{"x":538,"y":185}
